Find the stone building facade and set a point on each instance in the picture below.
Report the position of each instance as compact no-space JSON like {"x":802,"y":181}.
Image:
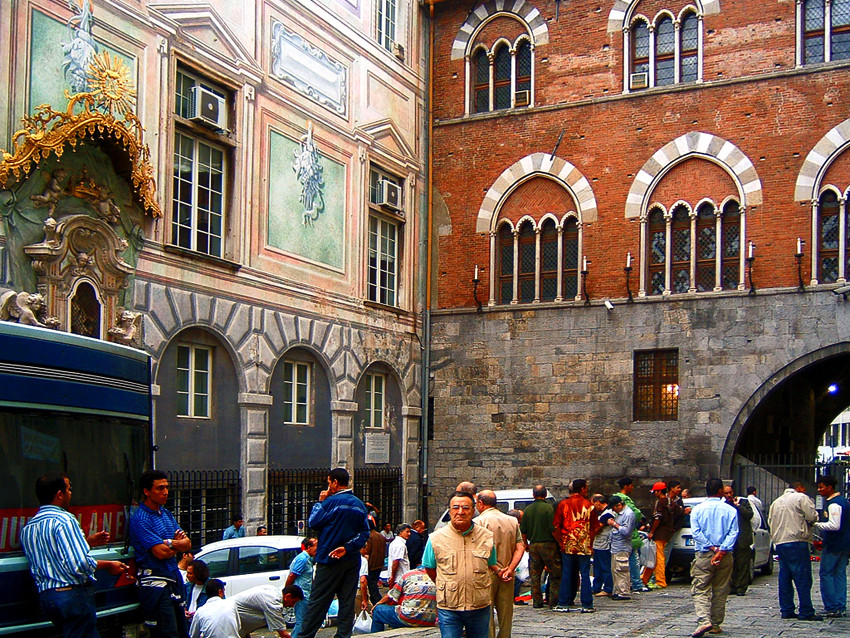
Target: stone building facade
{"x":680,"y":160}
{"x":280,"y":290}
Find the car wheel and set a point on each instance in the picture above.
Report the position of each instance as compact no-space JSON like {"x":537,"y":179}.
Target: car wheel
{"x":767,"y":568}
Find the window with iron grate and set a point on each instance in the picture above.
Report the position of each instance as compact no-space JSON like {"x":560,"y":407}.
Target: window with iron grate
{"x":656,"y":385}
{"x":85,"y":311}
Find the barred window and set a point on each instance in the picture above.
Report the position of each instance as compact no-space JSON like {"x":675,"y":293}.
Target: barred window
{"x":656,"y":385}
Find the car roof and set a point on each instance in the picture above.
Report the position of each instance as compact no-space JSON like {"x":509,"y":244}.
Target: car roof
{"x":694,"y":500}
{"x":279,"y":542}
{"x":513,"y":495}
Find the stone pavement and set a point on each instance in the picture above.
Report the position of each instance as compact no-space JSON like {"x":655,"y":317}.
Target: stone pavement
{"x":659,"y":614}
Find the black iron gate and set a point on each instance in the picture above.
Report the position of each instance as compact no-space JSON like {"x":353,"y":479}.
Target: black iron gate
{"x":203,"y":502}
{"x":292,"y":493}
{"x":770,"y":474}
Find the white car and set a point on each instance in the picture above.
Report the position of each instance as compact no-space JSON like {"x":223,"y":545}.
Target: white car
{"x":505,"y":500}
{"x":243,"y":563}
{"x":683,"y":545}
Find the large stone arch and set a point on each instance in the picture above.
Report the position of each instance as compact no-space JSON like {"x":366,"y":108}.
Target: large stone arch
{"x":620,"y":12}
{"x":700,"y":145}
{"x":542,"y":164}
{"x":818,"y":161}
{"x":488,"y":10}
{"x":774,"y":382}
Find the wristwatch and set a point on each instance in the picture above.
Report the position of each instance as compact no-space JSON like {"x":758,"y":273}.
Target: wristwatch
{"x":168,"y":543}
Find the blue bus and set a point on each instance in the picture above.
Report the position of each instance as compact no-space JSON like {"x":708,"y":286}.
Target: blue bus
{"x":82,"y":406}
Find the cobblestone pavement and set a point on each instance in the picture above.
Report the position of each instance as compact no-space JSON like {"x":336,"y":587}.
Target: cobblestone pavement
{"x":660,"y":613}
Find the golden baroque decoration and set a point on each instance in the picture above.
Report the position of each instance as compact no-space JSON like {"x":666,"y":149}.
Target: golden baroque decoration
{"x":48,"y":131}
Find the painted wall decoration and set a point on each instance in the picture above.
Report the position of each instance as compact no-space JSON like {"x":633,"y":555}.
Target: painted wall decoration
{"x":308,"y":69}
{"x":60,"y":55}
{"x":306,"y":200}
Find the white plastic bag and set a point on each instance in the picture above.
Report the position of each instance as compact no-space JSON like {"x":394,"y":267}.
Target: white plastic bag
{"x":647,"y":554}
{"x":363,"y":623}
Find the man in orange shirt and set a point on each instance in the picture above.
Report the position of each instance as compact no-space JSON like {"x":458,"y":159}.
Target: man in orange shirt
{"x":576,"y":523}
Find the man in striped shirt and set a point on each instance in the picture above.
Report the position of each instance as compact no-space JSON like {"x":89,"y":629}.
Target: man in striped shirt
{"x":60,"y":559}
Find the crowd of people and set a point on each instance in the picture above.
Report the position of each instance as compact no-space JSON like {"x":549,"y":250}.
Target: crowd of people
{"x":462,"y":576}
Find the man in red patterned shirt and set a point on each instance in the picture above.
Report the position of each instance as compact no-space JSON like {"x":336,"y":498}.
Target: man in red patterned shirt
{"x":576,"y":523}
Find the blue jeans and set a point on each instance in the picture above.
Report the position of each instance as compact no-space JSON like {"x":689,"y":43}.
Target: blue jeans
{"x":795,"y":570}
{"x":72,"y":611}
{"x":385,"y":615}
{"x":300,"y":609}
{"x":573,"y":565}
{"x":634,"y":570}
{"x":833,"y":580}
{"x":163,"y":609}
{"x":476,"y":622}
{"x":603,"y":580}
{"x":338,"y":578}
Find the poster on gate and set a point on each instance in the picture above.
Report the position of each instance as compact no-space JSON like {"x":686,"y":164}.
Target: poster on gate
{"x":92,"y":518}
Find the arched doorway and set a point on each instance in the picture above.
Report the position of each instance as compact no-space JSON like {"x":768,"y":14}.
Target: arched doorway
{"x":775,"y":438}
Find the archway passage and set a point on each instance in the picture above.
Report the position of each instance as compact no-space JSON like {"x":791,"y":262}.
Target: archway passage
{"x":778,"y":442}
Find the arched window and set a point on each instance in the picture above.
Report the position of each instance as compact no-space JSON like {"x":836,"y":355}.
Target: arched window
{"x":657,"y":252}
{"x":706,"y":247}
{"x":814,"y":14}
{"x":828,"y":218}
{"x":688,"y":60}
{"x":502,"y":78}
{"x":548,"y":261}
{"x":523,"y":69}
{"x":640,"y":52}
{"x":731,"y":233}
{"x":680,"y":249}
{"x":570,"y":274}
{"x":85,"y":311}
{"x":481,"y":88}
{"x":527,"y":262}
{"x":840,"y":36}
{"x":506,"y":264}
{"x":665,"y":52}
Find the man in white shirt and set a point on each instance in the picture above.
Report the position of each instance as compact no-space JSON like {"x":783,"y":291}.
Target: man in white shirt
{"x":262,"y":606}
{"x":216,"y":618}
{"x":397,"y":558}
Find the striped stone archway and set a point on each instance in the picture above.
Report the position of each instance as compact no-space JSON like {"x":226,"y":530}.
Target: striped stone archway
{"x":537,"y":164}
{"x":819,"y":159}
{"x":620,"y":10}
{"x":701,"y":145}
{"x":483,"y":12}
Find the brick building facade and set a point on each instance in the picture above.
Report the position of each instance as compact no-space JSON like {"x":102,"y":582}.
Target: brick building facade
{"x":574,"y":139}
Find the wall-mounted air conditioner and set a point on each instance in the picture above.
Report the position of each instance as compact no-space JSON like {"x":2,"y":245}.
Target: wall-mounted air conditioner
{"x":389,"y":195}
{"x":638,"y":80}
{"x":208,"y":108}
{"x":522,"y":98}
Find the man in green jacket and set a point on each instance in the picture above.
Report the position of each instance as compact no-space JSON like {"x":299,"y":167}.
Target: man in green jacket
{"x":537,"y":534}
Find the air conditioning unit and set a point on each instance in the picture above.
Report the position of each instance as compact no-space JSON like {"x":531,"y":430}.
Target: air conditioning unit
{"x":522,"y":98}
{"x":389,"y":195}
{"x":398,"y":51}
{"x":208,"y":108}
{"x":638,"y":80}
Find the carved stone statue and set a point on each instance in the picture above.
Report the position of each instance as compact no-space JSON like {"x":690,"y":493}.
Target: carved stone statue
{"x":128,"y":328}
{"x":105,"y":208}
{"x":52,"y":192}
{"x":26,"y":308}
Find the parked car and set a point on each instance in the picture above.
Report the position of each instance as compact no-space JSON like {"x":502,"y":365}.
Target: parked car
{"x":683,"y":546}
{"x":505,"y":500}
{"x":246,"y":562}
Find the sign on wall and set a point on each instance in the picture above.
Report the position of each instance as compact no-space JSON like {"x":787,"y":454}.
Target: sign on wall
{"x":377,"y":447}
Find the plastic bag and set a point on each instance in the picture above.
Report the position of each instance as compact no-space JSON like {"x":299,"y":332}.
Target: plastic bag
{"x":363,"y":623}
{"x":647,"y":554}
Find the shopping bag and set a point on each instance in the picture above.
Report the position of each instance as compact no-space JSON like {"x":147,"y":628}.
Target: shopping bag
{"x":363,"y":623}
{"x":647,"y":554}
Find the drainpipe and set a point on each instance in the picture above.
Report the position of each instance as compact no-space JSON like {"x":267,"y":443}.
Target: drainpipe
{"x":426,"y":324}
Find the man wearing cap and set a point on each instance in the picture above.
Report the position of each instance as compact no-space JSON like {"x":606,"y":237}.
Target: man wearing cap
{"x":662,"y":530}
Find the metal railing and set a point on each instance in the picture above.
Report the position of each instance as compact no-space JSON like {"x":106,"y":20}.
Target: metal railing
{"x":203,"y":502}
{"x":770,"y":474}
{"x":292,"y":493}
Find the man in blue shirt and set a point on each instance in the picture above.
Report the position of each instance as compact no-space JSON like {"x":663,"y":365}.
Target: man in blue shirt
{"x":714,"y":524}
{"x":301,"y":574}
{"x":236,"y":529}
{"x":340,"y":519}
{"x":60,"y":561}
{"x":157,"y":539}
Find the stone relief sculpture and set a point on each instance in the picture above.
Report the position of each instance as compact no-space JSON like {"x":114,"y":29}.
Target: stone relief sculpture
{"x":308,"y":170}
{"x":26,"y":308}
{"x":52,"y":192}
{"x":127,"y":329}
{"x":80,"y":51}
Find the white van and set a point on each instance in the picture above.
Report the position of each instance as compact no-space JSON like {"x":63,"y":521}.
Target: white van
{"x":505,"y":500}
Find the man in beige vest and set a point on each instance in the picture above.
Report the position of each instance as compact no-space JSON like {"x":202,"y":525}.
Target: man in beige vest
{"x":509,"y":551}
{"x":457,"y":558}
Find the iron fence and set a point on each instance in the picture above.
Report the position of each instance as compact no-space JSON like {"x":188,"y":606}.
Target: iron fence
{"x":770,"y":474}
{"x":203,"y":502}
{"x":292,"y":493}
